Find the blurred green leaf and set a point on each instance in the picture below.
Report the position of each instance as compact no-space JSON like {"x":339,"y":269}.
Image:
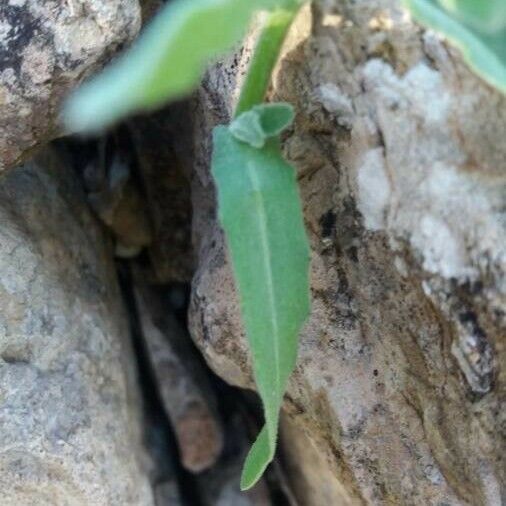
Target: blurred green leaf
{"x":483,"y":15}
{"x":484,"y":51}
{"x":166,"y":62}
{"x":260,"y":210}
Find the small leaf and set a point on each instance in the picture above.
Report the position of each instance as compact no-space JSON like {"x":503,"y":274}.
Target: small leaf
{"x":275,"y":117}
{"x":166,"y":62}
{"x":484,"y":51}
{"x":247,"y":128}
{"x":260,"y":210}
{"x":262,"y":122}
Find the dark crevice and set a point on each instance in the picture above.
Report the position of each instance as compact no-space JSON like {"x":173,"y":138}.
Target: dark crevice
{"x":159,"y":434}
{"x":240,"y":411}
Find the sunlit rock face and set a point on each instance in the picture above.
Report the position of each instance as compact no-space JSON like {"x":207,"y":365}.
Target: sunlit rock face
{"x":400,"y":152}
{"x":46,"y":49}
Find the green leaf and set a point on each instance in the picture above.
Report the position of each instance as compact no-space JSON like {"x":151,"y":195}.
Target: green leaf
{"x":261,"y":123}
{"x":166,"y":62}
{"x":484,"y":51}
{"x":484,"y":15}
{"x":259,"y":208}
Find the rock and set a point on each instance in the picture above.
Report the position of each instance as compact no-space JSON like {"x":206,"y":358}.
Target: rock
{"x":313,"y":472}
{"x":186,"y":396}
{"x":69,"y":406}
{"x":398,"y":395}
{"x":46,"y":49}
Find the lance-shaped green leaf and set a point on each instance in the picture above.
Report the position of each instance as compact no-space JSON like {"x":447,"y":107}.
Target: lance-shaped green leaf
{"x":260,"y":210}
{"x":482,"y":43}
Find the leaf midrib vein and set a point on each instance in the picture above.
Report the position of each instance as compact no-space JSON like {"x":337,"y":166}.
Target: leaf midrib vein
{"x":262,"y":220}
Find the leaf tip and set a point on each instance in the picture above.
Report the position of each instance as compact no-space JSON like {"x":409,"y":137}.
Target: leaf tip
{"x":74,"y":117}
{"x":257,"y":460}
{"x":100,"y":102}
{"x":246,"y":483}
{"x":251,"y":474}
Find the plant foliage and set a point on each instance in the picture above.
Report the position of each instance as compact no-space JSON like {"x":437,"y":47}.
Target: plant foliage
{"x":259,"y":205}
{"x":476,"y":27}
{"x":166,"y":62}
{"x":262,"y":122}
{"x":260,"y":211}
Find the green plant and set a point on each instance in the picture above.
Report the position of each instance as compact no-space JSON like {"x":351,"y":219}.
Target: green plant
{"x":260,"y":211}
{"x":259,"y":205}
{"x":476,"y":27}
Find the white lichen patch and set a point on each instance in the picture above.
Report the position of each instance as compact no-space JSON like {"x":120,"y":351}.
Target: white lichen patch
{"x":374,"y":189}
{"x":336,"y":102}
{"x":443,"y":252}
{"x":425,"y":91}
{"x":451,"y":217}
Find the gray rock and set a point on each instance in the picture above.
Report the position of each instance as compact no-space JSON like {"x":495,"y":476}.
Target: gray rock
{"x":69,"y":408}
{"x":46,"y":49}
{"x":398,"y":395}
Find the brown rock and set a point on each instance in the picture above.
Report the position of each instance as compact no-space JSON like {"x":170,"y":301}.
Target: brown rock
{"x":187,"y":398}
{"x":399,"y":389}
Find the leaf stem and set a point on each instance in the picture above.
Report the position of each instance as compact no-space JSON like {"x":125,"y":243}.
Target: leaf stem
{"x":265,"y":58}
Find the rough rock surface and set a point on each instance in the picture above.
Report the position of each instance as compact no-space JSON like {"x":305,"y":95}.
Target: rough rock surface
{"x":69,"y":409}
{"x":46,"y":48}
{"x":398,"y":396}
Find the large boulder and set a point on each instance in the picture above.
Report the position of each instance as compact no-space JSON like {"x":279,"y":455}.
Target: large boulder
{"x":69,"y":407}
{"x":398,"y":395}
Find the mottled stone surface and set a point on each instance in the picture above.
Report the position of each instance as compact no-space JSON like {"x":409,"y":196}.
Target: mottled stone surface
{"x":69,"y":408}
{"x":46,"y":48}
{"x":398,"y":396}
